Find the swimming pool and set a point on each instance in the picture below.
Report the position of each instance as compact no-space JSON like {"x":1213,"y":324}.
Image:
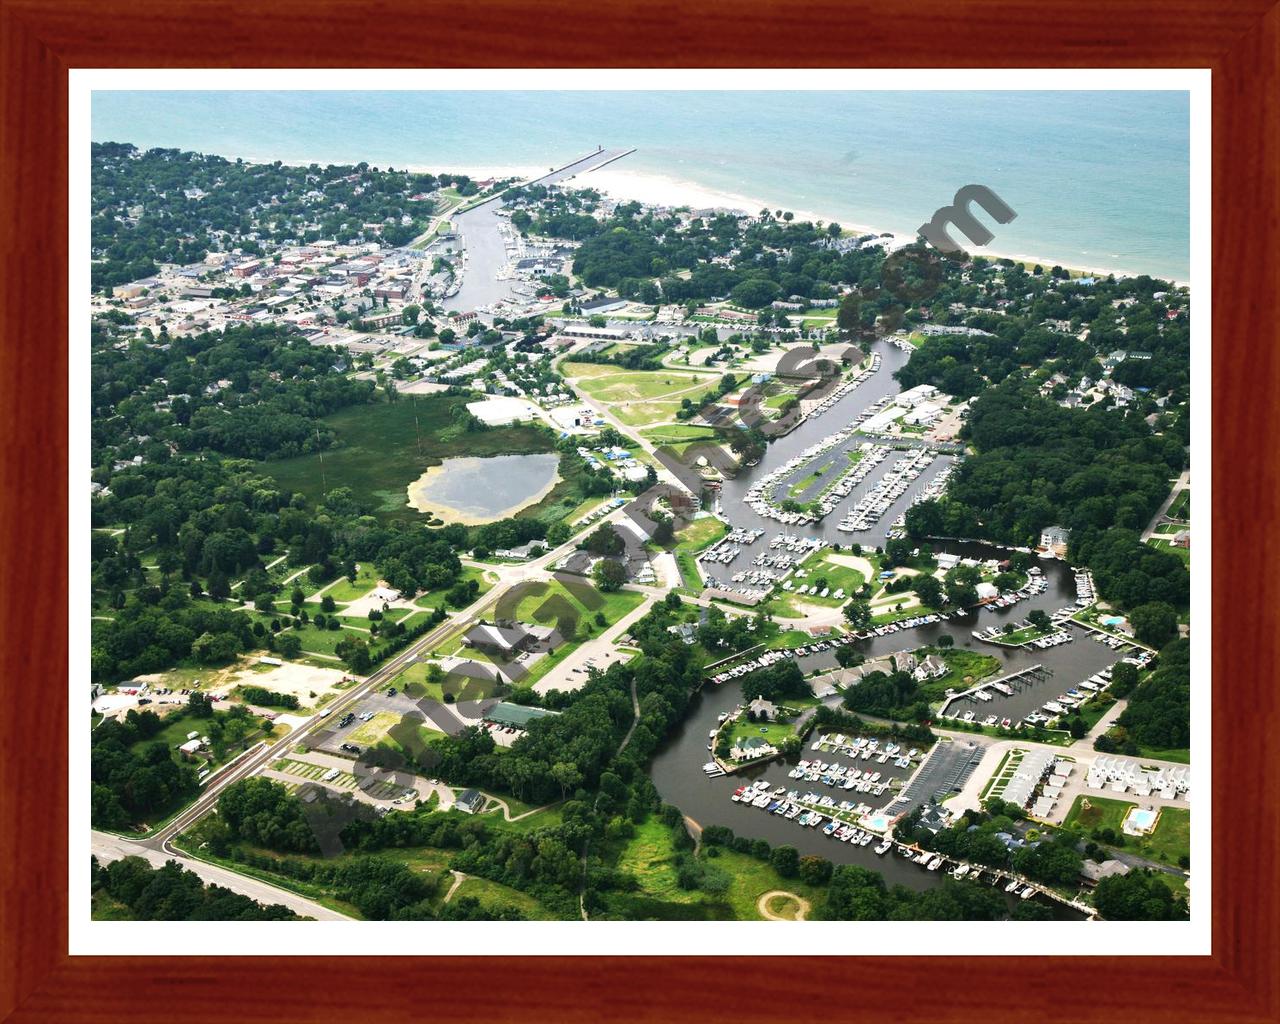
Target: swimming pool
{"x":1140,"y":820}
{"x":1113,"y":620}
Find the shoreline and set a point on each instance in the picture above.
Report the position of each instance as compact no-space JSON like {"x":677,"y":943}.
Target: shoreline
{"x":664,"y":190}
{"x":420,"y":501}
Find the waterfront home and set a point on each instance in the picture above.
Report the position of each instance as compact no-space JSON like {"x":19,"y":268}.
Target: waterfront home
{"x":763,"y":709}
{"x":931,"y":667}
{"x":1055,"y":538}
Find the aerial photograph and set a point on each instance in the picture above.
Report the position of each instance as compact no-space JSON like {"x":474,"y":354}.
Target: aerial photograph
{"x":638,"y":506}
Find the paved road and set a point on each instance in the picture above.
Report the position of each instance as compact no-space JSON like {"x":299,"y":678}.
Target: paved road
{"x":108,"y":848}
{"x":1179,"y":485}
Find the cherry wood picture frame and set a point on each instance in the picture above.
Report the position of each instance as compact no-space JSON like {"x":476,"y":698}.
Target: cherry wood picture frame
{"x":41,"y":39}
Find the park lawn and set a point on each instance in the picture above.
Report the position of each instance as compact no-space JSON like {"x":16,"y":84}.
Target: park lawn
{"x":697,"y":536}
{"x":322,"y":641}
{"x":547,"y":817}
{"x":640,"y":398}
{"x":496,"y":896}
{"x":837,"y":576}
{"x":344,"y":591}
{"x":378,"y":454}
{"x":800,"y":486}
{"x":1181,"y":507}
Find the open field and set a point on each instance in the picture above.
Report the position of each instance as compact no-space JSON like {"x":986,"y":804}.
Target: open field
{"x":383,"y":451}
{"x":639,"y":398}
{"x":496,"y":896}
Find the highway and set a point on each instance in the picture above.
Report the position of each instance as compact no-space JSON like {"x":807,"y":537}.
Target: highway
{"x":108,"y":848}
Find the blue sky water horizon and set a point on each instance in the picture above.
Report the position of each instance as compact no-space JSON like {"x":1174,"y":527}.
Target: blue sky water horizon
{"x":1099,"y":180}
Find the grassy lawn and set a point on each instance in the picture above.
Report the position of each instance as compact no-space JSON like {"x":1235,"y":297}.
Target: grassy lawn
{"x":1165,"y":545}
{"x":1170,"y":841}
{"x":1024,"y":635}
{"x":774,"y":733}
{"x":651,"y":858}
{"x":678,"y":434}
{"x":495,"y":896}
{"x":639,"y":398}
{"x":1181,"y":507}
{"x":414,"y":682}
{"x":1180,"y":755}
{"x":483,"y":577}
{"x":697,"y":536}
{"x":800,"y":486}
{"x":344,"y":591}
{"x":381,"y":451}
{"x":964,"y":669}
{"x":752,"y":879}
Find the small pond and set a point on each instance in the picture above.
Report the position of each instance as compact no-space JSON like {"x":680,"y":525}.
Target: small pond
{"x":472,"y":491}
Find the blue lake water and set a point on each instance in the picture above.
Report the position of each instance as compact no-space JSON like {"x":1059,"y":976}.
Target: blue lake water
{"x":1098,"y":179}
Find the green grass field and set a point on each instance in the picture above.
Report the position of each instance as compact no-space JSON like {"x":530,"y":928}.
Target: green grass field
{"x":382,"y":452}
{"x":639,"y":398}
{"x":344,"y":591}
{"x":650,"y":856}
{"x":1170,"y":841}
{"x":775,"y":733}
{"x":495,"y":896}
